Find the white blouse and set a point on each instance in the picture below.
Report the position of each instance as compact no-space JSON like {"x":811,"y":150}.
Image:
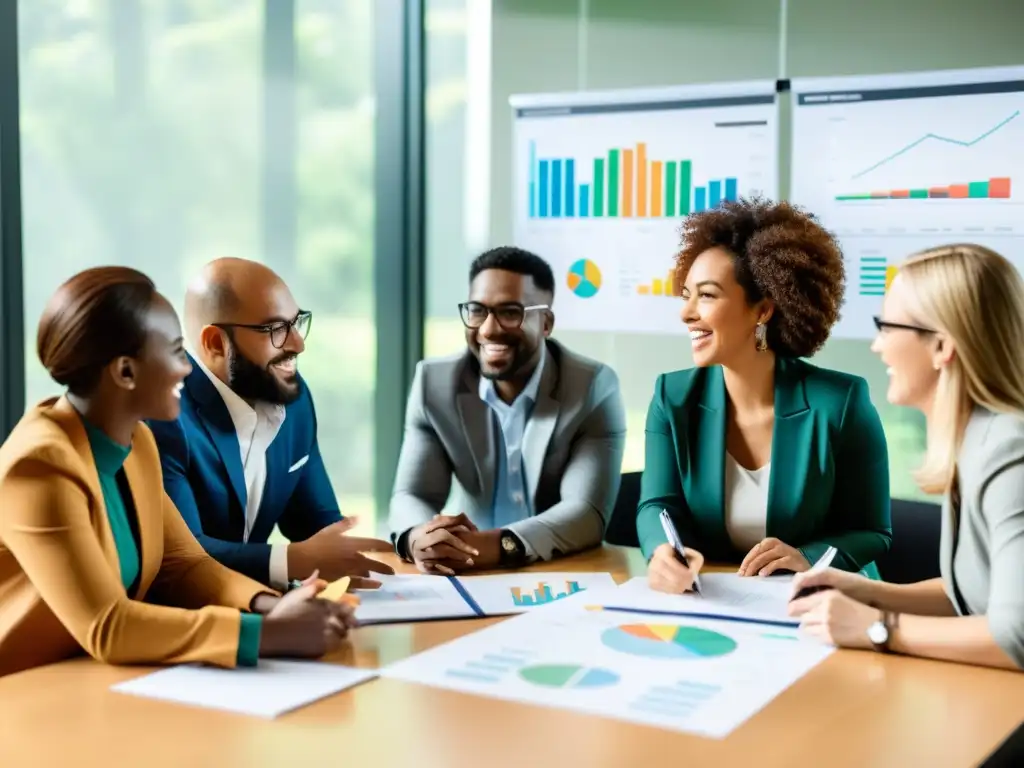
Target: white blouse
{"x":746,"y":503}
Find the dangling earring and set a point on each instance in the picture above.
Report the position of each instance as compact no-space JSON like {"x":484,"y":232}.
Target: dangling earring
{"x":761,"y":337}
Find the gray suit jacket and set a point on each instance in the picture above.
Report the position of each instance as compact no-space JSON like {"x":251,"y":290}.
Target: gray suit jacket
{"x":572,"y":450}
{"x":986,"y":574}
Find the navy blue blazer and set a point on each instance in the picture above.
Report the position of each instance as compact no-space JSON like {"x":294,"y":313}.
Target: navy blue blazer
{"x":202,"y":467}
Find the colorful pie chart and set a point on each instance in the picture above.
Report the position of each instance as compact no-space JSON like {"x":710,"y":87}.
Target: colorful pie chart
{"x":568,"y":676}
{"x":667,"y":641}
{"x":584,"y":278}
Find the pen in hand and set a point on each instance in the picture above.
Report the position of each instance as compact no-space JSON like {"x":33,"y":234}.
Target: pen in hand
{"x":677,"y":545}
{"x":822,"y":563}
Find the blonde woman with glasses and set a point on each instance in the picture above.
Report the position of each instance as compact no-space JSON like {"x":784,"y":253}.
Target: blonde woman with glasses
{"x":951,"y":335}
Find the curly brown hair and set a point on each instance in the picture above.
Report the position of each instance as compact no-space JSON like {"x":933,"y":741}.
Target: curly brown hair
{"x":781,"y":253}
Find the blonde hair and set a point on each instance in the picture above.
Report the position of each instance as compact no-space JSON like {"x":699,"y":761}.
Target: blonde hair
{"x":974,"y":297}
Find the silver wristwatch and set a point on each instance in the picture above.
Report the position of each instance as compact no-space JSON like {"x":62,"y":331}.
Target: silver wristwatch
{"x":880,"y":633}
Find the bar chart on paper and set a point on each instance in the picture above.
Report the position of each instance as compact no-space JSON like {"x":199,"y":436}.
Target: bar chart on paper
{"x":601,"y":189}
{"x":896,"y":164}
{"x":542,"y":594}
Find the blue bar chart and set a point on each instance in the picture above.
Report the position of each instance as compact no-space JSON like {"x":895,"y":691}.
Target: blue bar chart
{"x":624,"y":184}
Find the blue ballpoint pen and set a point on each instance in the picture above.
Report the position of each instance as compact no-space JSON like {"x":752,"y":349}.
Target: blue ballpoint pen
{"x":677,"y":544}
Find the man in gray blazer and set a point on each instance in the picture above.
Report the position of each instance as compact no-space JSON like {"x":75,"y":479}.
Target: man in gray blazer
{"x":531,"y":433}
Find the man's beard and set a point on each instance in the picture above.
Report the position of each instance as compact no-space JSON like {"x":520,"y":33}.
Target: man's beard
{"x":252,"y":383}
{"x":520,"y":359}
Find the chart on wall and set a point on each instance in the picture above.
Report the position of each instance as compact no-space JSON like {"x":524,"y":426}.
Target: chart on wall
{"x":894,"y":164}
{"x":603,"y":180}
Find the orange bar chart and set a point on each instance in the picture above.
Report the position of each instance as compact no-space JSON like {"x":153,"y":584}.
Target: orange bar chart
{"x":996,"y":187}
{"x":999,"y":187}
{"x":659,"y":286}
{"x":641,"y":179}
{"x":656,"y":174}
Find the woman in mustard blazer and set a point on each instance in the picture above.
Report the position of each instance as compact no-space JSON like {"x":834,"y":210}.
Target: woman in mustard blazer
{"x":93,"y":554}
{"x":759,"y":457}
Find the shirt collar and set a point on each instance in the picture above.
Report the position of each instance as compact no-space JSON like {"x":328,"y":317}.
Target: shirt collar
{"x":242,"y":414}
{"x":489,"y":394}
{"x":108,"y":455}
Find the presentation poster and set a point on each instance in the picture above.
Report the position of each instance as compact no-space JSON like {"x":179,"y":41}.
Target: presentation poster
{"x":603,"y":181}
{"x":894,"y":164}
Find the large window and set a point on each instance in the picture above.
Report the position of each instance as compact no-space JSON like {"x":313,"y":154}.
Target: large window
{"x":161,"y":134}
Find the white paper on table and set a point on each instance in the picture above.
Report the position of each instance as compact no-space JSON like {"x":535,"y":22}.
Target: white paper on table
{"x":675,"y":672}
{"x":269,"y":689}
{"x":507,"y":593}
{"x":411,"y":598}
{"x":728,"y":594}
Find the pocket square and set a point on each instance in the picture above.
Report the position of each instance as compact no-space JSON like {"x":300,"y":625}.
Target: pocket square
{"x":298,"y":464}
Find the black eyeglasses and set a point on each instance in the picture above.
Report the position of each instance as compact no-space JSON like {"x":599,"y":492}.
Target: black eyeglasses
{"x":883,"y":325}
{"x":509,"y":316}
{"x":278,"y":331}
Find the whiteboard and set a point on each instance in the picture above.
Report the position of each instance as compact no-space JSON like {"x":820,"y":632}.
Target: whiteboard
{"x":602,"y":181}
{"x":894,"y":164}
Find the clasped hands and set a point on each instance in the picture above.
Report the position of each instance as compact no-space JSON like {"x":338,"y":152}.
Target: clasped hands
{"x":452,"y":543}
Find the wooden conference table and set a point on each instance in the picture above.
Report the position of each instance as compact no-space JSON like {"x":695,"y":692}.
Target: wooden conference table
{"x":855,"y":709}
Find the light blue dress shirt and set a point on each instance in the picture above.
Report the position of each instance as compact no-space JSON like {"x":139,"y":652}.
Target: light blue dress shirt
{"x":512,"y":500}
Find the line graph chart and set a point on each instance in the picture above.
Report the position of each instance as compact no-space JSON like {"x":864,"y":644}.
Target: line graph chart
{"x":940,"y":138}
{"x":947,"y":157}
{"x":894,"y":164}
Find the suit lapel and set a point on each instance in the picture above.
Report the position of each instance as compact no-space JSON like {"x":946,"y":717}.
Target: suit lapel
{"x":478,"y":429}
{"x":792,"y":440}
{"x":217,"y":422}
{"x":705,"y":481}
{"x":146,"y":524}
{"x":71,"y":422}
{"x":149,"y":556}
{"x":541,"y":425}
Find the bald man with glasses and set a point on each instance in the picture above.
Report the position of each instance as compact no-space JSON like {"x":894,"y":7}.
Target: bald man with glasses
{"x":519,"y":439}
{"x":243,"y":456}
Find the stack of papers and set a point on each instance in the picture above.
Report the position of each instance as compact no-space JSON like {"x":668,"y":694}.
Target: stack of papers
{"x":267,"y":690}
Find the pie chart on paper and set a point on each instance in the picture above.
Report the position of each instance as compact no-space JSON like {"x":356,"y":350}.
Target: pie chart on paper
{"x":584,"y":278}
{"x":667,"y":641}
{"x":568,"y":676}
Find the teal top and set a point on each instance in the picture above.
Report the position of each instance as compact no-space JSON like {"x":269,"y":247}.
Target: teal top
{"x":110,"y":457}
{"x":829,"y":482}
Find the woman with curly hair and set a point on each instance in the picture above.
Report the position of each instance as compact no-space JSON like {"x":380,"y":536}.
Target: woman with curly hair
{"x":759,"y":457}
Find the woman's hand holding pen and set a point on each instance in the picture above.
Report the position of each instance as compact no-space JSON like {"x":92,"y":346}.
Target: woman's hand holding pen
{"x":666,"y":574}
{"x":304,"y":626}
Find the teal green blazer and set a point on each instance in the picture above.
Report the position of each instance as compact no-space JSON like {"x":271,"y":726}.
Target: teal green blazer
{"x":829,"y":482}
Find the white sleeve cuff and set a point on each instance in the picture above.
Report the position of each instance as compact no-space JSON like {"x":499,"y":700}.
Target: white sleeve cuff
{"x":279,"y":567}
{"x":531,"y":553}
